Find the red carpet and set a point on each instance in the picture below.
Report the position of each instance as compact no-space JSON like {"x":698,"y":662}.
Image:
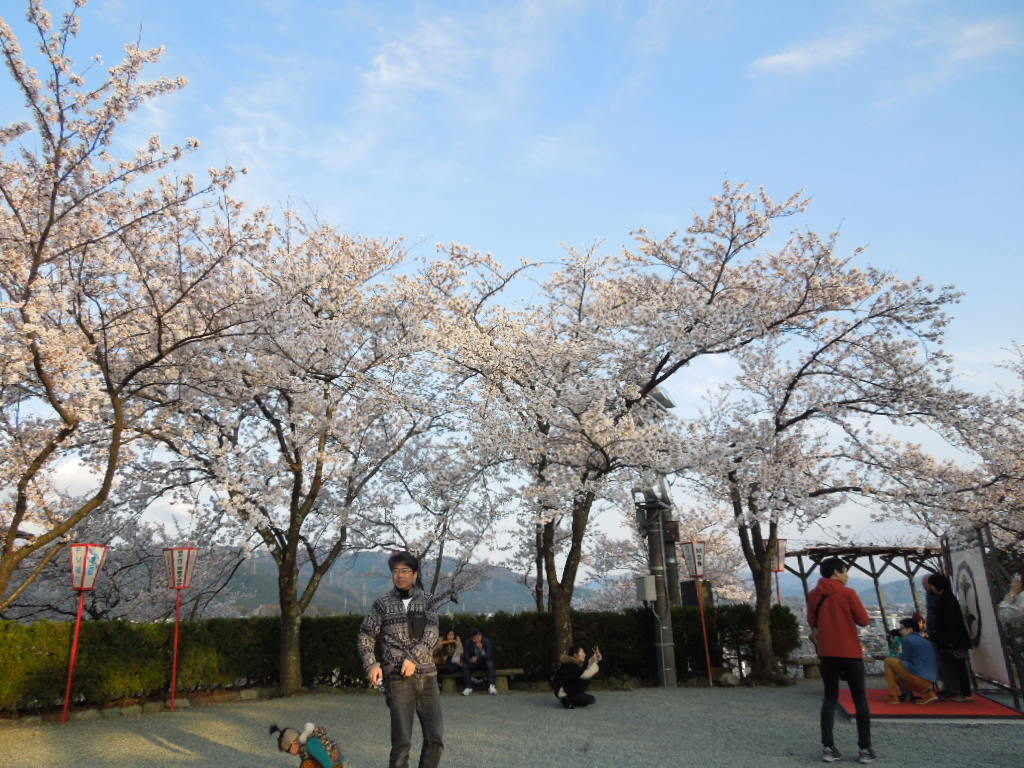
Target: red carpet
{"x":878,"y":700}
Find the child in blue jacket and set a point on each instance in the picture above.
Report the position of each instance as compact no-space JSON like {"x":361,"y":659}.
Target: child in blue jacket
{"x":315,"y":748}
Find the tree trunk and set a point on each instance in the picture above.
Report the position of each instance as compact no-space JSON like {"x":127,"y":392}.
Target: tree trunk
{"x":758,"y":552}
{"x":560,"y":595}
{"x":538,"y":588}
{"x":561,"y":613}
{"x":764,"y":655}
{"x":291,"y":618}
{"x":560,"y":590}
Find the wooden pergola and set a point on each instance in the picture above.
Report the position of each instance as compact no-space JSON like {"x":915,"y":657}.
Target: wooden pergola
{"x":908,"y":561}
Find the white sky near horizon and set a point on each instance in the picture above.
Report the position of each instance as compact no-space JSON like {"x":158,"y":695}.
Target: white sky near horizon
{"x":516,"y":126}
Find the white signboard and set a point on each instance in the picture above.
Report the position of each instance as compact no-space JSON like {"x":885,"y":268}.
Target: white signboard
{"x":971,"y":588}
{"x":693,"y":553}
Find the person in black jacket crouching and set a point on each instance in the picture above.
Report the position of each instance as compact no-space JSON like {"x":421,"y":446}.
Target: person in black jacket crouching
{"x":574,"y":675}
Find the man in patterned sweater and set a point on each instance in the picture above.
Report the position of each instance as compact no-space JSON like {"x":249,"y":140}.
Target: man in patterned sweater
{"x":406,"y":623}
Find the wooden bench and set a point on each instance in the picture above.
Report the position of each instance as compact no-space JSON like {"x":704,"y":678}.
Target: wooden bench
{"x":451,"y":683}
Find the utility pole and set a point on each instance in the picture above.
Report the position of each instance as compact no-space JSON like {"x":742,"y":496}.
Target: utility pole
{"x":670,"y":536}
{"x":650,"y":509}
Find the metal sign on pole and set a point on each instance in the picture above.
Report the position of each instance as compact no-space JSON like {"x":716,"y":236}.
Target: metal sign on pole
{"x":179,"y":562}
{"x":693,"y":553}
{"x":86,"y":562}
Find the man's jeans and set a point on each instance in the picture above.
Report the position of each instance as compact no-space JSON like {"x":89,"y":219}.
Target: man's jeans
{"x":851,"y":670}
{"x":417,"y":694}
{"x":487,"y":665}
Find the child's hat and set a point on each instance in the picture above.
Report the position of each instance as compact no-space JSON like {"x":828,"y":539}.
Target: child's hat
{"x":288,"y":735}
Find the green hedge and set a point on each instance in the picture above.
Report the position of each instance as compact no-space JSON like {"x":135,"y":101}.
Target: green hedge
{"x":119,"y":660}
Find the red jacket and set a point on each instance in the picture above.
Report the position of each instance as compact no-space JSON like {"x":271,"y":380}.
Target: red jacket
{"x":837,"y":623}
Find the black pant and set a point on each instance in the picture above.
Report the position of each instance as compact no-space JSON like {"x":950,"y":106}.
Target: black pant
{"x":955,"y":673}
{"x":449,"y":668}
{"x":577,"y":694}
{"x":852,"y":670}
{"x":484,"y":665}
{"x":419,"y":695}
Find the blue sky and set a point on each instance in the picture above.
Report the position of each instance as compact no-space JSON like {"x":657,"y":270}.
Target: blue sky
{"x":513,"y":127}
{"x":516,"y":126}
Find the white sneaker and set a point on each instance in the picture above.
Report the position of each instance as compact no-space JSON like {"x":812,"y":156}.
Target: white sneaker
{"x":492,"y":690}
{"x":466,"y":691}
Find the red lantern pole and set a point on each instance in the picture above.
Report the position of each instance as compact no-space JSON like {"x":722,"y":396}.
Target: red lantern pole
{"x":74,"y":655}
{"x":86,"y":562}
{"x":179,"y":562}
{"x":704,"y":626}
{"x":177,"y":637}
{"x":693,"y":553}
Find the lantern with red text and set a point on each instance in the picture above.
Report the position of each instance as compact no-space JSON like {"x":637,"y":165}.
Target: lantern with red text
{"x":778,"y":564}
{"x":180,"y":562}
{"x":86,"y":562}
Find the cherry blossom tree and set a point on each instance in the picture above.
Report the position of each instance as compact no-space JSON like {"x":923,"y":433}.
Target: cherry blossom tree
{"x":811,"y":413}
{"x":983,"y":485}
{"x":133,"y":583}
{"x":614,"y":563}
{"x":290,"y":427}
{"x":108,"y":274}
{"x":565,"y":380}
{"x":441,"y":502}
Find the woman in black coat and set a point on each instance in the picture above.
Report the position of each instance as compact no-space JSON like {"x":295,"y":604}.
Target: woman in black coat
{"x":946,"y":628}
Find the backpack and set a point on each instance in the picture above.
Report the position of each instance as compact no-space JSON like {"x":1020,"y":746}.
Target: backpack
{"x":815,"y":633}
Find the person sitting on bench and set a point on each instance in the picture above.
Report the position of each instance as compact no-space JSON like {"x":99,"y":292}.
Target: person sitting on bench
{"x":478,"y":657}
{"x":448,"y":654}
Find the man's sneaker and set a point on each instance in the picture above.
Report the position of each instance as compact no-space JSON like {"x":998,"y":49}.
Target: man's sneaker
{"x":492,"y":690}
{"x":466,"y":691}
{"x":867,"y":756}
{"x":928,"y":697}
{"x":830,"y":755}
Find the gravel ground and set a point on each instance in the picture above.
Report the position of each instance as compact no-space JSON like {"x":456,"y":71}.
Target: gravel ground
{"x":761,"y":727}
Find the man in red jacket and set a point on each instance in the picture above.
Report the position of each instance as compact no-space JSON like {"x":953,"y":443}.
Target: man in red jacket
{"x":836,"y":611}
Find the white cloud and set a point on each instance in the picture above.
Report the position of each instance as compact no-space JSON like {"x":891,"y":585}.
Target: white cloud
{"x":981,"y":41}
{"x":818,"y":55}
{"x":955,"y":47}
{"x":571,"y":151}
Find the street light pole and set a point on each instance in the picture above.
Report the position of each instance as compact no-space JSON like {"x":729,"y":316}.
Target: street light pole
{"x":670,"y":538}
{"x":649,"y":509}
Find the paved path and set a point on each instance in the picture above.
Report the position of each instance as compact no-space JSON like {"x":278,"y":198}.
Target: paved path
{"x":748,"y":727}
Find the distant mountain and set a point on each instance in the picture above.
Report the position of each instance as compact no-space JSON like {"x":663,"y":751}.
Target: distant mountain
{"x":895,"y":592}
{"x":355,"y":581}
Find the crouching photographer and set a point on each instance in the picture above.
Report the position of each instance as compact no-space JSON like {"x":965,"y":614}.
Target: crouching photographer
{"x":574,"y":675}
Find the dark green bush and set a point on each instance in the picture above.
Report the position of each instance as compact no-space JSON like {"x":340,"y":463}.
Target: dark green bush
{"x":785,"y":631}
{"x":120,"y":660}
